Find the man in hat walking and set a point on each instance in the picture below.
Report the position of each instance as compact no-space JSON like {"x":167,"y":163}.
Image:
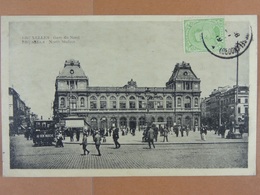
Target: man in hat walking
{"x":97,"y":140}
{"x":84,"y":144}
{"x":116,"y":137}
{"x":150,"y":136}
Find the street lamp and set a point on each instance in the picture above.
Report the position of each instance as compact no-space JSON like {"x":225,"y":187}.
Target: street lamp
{"x":71,"y":73}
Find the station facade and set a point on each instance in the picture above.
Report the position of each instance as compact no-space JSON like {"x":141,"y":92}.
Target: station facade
{"x":128,"y":106}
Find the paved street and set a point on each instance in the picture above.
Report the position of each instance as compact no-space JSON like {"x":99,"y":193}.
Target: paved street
{"x":179,"y":152}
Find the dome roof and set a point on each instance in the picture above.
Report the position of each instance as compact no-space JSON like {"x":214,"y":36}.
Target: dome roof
{"x":72,"y":69}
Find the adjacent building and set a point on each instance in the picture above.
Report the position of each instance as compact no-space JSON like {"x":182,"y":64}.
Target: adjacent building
{"x":221,"y":107}
{"x":19,"y":113}
{"x":128,"y":106}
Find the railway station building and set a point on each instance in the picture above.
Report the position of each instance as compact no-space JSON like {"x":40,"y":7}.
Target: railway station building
{"x":128,"y":106}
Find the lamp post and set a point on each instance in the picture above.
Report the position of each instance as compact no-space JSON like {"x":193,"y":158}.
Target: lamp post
{"x":236,"y":98}
{"x":71,"y":73}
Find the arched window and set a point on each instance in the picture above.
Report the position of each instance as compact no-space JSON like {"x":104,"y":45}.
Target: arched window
{"x":179,"y":102}
{"x":169,"y":122}
{"x":94,"y":123}
{"x":196,"y":102}
{"x":93,"y":102}
{"x":113,"y":102}
{"x":159,"y":102}
{"x":168,"y":102}
{"x":160,"y":119}
{"x":132,"y":102}
{"x":141,"y":102}
{"x":142,"y":122}
{"x":187,"y":103}
{"x":103,"y":123}
{"x":103,"y":102}
{"x":82,"y":102}
{"x":122,"y":102}
{"x":113,"y":122}
{"x":122,"y":122}
{"x":62,"y":103}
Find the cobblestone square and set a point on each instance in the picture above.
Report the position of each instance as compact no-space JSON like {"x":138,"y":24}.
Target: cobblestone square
{"x":179,"y":152}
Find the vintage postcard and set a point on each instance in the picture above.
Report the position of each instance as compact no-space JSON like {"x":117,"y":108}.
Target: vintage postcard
{"x":128,"y":95}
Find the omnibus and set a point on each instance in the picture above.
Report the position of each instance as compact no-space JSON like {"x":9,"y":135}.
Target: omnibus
{"x":43,"y":132}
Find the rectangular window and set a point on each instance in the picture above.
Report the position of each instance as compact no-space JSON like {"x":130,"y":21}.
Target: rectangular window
{"x":246,"y":100}
{"x":72,"y":85}
{"x":103,"y":105}
{"x":179,"y":102}
{"x":122,"y":105}
{"x":141,"y":105}
{"x":132,"y":105}
{"x":73,"y":105}
{"x":239,"y":110}
{"x":246,"y":110}
{"x":93,"y":105}
{"x":239,"y":100}
{"x":169,"y":105}
{"x":113,"y":103}
{"x":187,"y":105}
{"x":187,"y":85}
{"x":150,"y":105}
{"x":160,"y":105}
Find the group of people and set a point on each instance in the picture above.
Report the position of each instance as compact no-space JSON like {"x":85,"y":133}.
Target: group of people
{"x":164,"y":131}
{"x":181,"y":129}
{"x":97,"y":140}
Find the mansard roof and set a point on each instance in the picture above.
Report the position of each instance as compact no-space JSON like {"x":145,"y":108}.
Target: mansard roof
{"x":183,"y":71}
{"x":72,"y":69}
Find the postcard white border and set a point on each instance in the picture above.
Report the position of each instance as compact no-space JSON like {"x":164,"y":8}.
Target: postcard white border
{"x":251,"y":170}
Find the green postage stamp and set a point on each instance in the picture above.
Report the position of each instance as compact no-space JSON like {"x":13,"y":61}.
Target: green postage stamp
{"x":212,"y":30}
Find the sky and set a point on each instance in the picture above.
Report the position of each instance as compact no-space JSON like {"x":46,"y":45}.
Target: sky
{"x":110,"y":53}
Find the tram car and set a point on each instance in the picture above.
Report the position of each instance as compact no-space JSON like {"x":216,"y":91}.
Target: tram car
{"x":43,"y":132}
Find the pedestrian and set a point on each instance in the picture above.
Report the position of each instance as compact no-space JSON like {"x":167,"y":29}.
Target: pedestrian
{"x":203,"y":132}
{"x":110,"y":131}
{"x":187,"y":131}
{"x":171,"y":130}
{"x":150,"y":136}
{"x":182,"y":129}
{"x":97,"y":140}
{"x":71,"y":135}
{"x":116,"y":137}
{"x":84,"y":144}
{"x":64,"y":131}
{"x":165,"y":134}
{"x":156,"y":131}
{"x":222,"y":130}
{"x":59,"y":140}
{"x":133,"y":132}
{"x":77,"y":134}
{"x":178,"y":129}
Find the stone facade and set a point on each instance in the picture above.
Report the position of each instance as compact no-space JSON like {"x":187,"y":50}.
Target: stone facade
{"x":220,"y":106}
{"x":128,"y":106}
